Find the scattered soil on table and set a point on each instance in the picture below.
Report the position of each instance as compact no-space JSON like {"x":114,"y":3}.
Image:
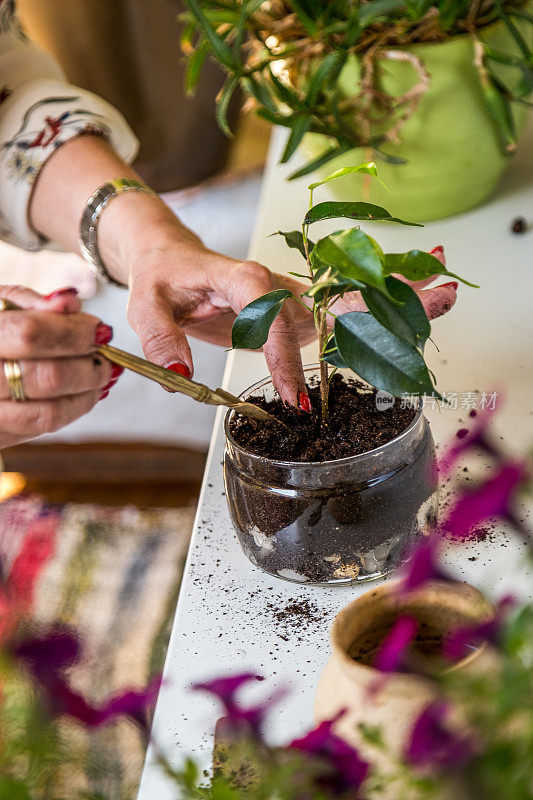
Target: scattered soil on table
{"x":294,"y":617}
{"x":355,"y":425}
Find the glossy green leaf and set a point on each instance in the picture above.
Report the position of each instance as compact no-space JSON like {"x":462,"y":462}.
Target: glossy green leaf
{"x":305,"y":18}
{"x":415,"y":265}
{"x":223,"y":100}
{"x":347,"y":210}
{"x":521,"y":14}
{"x":284,"y":92}
{"x":380,"y":357}
{"x":408,"y":320}
{"x":370,"y":12}
{"x":515,"y":33}
{"x":525,"y":85}
{"x":417,"y":8}
{"x":326,"y":70}
{"x":188,"y":34}
{"x":250,"y":329}
{"x":368,"y":169}
{"x":328,"y":278}
{"x":388,"y":158}
{"x":354,"y":254}
{"x":299,"y":128}
{"x":319,"y":161}
{"x":194,"y":67}
{"x":263,"y":95}
{"x":499,"y":105}
{"x":449,"y":11}
{"x":216,"y":16}
{"x":295,"y":240}
{"x":218,"y":45}
{"x":496,"y":100}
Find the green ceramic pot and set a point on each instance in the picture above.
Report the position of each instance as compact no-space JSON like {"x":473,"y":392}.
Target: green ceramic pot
{"x":450,"y":143}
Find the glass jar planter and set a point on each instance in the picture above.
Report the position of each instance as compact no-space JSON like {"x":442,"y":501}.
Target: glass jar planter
{"x":332,"y":522}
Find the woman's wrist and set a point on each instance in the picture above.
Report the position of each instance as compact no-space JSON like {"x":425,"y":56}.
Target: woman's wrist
{"x":132,"y":228}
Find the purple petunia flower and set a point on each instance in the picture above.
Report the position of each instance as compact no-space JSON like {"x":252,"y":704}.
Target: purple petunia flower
{"x":48,"y":656}
{"x":477,"y":436}
{"x":493,"y":498}
{"x":459,"y":643}
{"x":433,"y":744}
{"x":347,"y":770}
{"x":422,"y":565}
{"x":391,"y":654}
{"x":225,"y":690}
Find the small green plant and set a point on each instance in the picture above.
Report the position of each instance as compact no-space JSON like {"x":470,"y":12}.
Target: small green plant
{"x":384,"y":345}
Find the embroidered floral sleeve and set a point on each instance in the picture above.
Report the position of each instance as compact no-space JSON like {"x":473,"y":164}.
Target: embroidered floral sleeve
{"x":40,"y":111}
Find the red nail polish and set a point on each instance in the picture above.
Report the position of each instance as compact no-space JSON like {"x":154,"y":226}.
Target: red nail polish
{"x":61,"y":292}
{"x":103,"y":395}
{"x":181,"y":369}
{"x":116,"y":372}
{"x":451,"y":283}
{"x":303,"y":402}
{"x":438,"y":249}
{"x":110,"y":385}
{"x":103,"y":334}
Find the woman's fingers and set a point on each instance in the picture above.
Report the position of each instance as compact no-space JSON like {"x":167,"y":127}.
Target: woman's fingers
{"x":440,"y":299}
{"x":20,"y":295}
{"x":163,"y":341}
{"x":436,"y":301}
{"x":20,"y":421}
{"x":62,"y":301}
{"x":282,"y":351}
{"x":40,"y":334}
{"x":53,"y":377}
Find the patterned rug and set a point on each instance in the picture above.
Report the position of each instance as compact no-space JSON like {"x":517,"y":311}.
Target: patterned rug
{"x":114,"y":575}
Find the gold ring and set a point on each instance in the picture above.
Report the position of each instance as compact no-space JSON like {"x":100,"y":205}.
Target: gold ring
{"x":14,"y":380}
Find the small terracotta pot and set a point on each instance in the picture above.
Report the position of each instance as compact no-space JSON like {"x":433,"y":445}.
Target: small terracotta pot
{"x":348,"y":684}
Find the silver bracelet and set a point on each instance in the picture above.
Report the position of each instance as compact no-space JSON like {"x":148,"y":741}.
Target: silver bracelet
{"x":91,"y":215}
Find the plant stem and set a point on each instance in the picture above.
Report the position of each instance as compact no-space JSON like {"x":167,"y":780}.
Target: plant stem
{"x":324,"y":377}
{"x":320,"y":312}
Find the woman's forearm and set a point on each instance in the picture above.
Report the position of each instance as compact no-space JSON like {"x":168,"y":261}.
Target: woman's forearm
{"x":127,"y":226}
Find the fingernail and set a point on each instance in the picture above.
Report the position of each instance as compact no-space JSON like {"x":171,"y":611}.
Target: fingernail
{"x":103,"y":334}
{"x":109,"y":386}
{"x":304,"y":402}
{"x":438,"y":249}
{"x":116,"y":372}
{"x":103,"y":395}
{"x":181,"y":369}
{"x":61,"y":292}
{"x":451,"y":283}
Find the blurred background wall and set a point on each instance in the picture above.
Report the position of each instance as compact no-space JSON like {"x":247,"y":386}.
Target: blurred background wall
{"x":128,"y":51}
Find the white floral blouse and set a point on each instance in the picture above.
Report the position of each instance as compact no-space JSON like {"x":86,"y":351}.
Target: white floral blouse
{"x":39,"y":111}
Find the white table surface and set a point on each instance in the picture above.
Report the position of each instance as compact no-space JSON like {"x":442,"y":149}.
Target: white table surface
{"x":224,"y":622}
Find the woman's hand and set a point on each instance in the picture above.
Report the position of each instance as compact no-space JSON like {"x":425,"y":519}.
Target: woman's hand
{"x":55,"y":346}
{"x":179,"y":288}
{"x":177,"y":285}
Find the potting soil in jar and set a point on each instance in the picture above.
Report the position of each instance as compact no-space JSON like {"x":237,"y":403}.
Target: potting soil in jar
{"x":333,"y":504}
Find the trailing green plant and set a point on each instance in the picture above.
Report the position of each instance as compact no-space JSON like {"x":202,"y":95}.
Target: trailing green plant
{"x":384,"y":345}
{"x":288,"y":57}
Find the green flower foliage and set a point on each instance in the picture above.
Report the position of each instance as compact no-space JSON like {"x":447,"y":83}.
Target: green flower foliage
{"x":289,"y":56}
